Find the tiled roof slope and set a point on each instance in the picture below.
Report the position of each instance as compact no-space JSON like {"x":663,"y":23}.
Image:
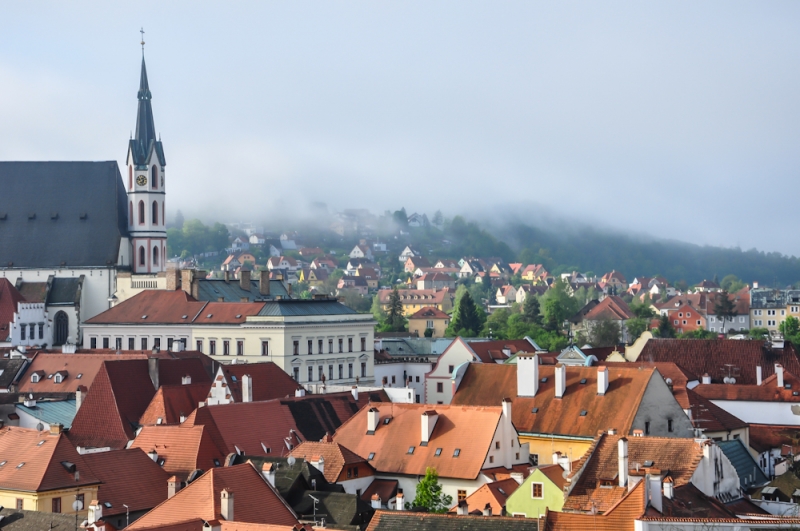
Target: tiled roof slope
{"x":768,"y":391}
{"x":255,"y":501}
{"x":9,"y":297}
{"x":710,"y":356}
{"x":119,"y":397}
{"x":495,"y":494}
{"x":488,"y":384}
{"x":308,"y":418}
{"x":677,"y":458}
{"x":171,"y":402}
{"x":489,"y":351}
{"x":470,"y":429}
{"x":14,"y":520}
{"x":430,"y":313}
{"x":765,"y":437}
{"x":709,"y":416}
{"x":129,"y":477}
{"x":41,"y":454}
{"x":183,"y":448}
{"x":335,"y":455}
{"x":408,"y":521}
{"x":269,"y":381}
{"x":619,"y":517}
{"x":612,"y":307}
{"x":750,"y":473}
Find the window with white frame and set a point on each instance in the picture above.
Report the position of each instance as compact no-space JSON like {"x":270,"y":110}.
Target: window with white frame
{"x":537,"y":491}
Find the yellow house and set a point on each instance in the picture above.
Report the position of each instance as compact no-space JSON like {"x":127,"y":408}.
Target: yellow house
{"x":42,"y":471}
{"x":415,"y":299}
{"x":428,"y":318}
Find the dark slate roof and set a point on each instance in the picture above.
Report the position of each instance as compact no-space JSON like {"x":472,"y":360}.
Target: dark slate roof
{"x":750,"y":474}
{"x":409,"y":521}
{"x":53,"y":213}
{"x":14,"y":520}
{"x":773,"y":298}
{"x":10,"y":368}
{"x":297,"y":307}
{"x":338,"y":508}
{"x":145,"y":139}
{"x":211,"y":289}
{"x":65,"y":291}
{"x":288,"y":480}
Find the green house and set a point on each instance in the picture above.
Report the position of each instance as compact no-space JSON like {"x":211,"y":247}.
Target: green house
{"x":543,"y":489}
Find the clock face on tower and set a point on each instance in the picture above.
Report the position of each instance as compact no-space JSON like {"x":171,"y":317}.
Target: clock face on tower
{"x":141,"y":180}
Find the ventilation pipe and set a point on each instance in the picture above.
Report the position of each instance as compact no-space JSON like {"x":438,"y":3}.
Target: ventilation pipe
{"x":527,"y":375}
{"x":622,"y":457}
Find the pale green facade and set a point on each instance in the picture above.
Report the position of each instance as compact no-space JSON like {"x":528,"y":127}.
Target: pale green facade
{"x":522,"y":502}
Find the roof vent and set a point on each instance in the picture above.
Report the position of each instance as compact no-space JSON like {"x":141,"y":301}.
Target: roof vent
{"x":144,"y":317}
{"x":31,"y":215}
{"x":535,"y":410}
{"x":84,"y":215}
{"x":544,"y":379}
{"x":184,"y":316}
{"x":3,"y":216}
{"x":209,"y":316}
{"x":53,"y":215}
{"x":238,"y":316}
{"x":648,"y":464}
{"x":583,"y":381}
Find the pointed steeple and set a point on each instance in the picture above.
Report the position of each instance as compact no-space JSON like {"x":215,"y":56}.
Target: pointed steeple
{"x":145,"y":135}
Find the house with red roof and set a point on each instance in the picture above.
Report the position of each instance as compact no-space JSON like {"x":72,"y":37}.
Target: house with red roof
{"x":610,"y":308}
{"x":337,"y":463}
{"x":428,"y":319}
{"x":436,"y":280}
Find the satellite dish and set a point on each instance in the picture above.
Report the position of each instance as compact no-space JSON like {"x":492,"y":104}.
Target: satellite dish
{"x":77,"y":505}
{"x":40,"y":427}
{"x":291,"y":460}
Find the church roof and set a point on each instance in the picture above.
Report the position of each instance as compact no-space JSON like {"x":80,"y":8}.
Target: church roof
{"x":54,"y":214}
{"x":145,"y":139}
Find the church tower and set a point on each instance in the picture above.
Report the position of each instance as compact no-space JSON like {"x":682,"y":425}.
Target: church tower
{"x":146,"y":189}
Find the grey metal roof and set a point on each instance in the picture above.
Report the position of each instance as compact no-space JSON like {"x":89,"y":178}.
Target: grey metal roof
{"x":55,"y":412}
{"x":211,"y":289}
{"x":750,"y":474}
{"x":297,"y":307}
{"x":9,"y":369}
{"x":145,"y":139}
{"x":767,"y":298}
{"x":65,"y":291}
{"x":54,"y":213}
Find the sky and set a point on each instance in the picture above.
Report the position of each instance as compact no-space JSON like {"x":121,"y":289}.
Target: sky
{"x":679,"y":120}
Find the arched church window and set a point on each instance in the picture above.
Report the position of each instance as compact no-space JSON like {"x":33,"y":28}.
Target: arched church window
{"x":141,"y":256}
{"x":155,"y":213}
{"x":141,"y":212}
{"x":154,"y":176}
{"x":155,"y":255}
{"x":61,"y":328}
{"x":130,"y":177}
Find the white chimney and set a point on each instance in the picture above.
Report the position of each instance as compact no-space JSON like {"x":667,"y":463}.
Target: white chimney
{"x":622,"y":457}
{"x":372,"y":420}
{"x":487,"y":510}
{"x":226,"y":504}
{"x":29,"y":401}
{"x":186,"y":380}
{"x":654,"y":491}
{"x":247,"y":388}
{"x":400,"y":501}
{"x":755,"y":285}
{"x":506,"y":405}
{"x":153,"y":455}
{"x":527,"y":375}
{"x":463,"y":508}
{"x":706,"y":379}
{"x":758,"y":375}
{"x":556,"y":457}
{"x":300,"y":392}
{"x":173,"y":486}
{"x":268,"y":471}
{"x":518,"y":477}
{"x":80,"y":394}
{"x":95,"y":512}
{"x":668,"y":486}
{"x":428,"y":422}
{"x":376,"y":501}
{"x":602,"y":380}
{"x":779,"y":374}
{"x":320,"y":464}
{"x":561,"y":380}
{"x":354,"y":392}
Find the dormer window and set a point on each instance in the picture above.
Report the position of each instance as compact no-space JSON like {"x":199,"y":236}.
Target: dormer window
{"x":34,"y":378}
{"x":58,"y":378}
{"x":456,"y":452}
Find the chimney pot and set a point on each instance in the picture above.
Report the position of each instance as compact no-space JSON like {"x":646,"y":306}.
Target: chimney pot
{"x":622,"y":458}
{"x":376,"y":501}
{"x":373,"y":416}
{"x":527,"y":375}
{"x":226,"y":504}
{"x":561,"y":380}
{"x":779,"y":374}
{"x":244,"y":279}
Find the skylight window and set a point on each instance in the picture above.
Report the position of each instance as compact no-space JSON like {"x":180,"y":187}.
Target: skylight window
{"x":108,"y":505}
{"x":544,"y":379}
{"x":438,"y":452}
{"x":535,"y":410}
{"x":79,"y":376}
{"x":3,"y":463}
{"x":21,"y":464}
{"x":184,"y":316}
{"x":648,"y":464}
{"x":410,"y":450}
{"x":371,"y":456}
{"x":238,"y":316}
{"x":233,"y":377}
{"x":216,"y":462}
{"x":387,"y":420}
{"x":209,"y":316}
{"x":583,"y":412}
{"x":583,"y":381}
{"x":40,"y":443}
{"x":456,"y":452}
{"x":144,"y":317}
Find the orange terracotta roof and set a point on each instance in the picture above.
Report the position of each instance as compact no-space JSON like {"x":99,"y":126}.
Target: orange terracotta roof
{"x":255,"y":501}
{"x":489,"y":351}
{"x":81,"y":370}
{"x":171,"y":402}
{"x":495,"y":494}
{"x":243,"y":526}
{"x":468,"y":429}
{"x":335,"y":455}
{"x":430,"y":313}
{"x":554,"y":473}
{"x":32,"y":461}
{"x":765,"y":437}
{"x":612,"y":307}
{"x":183,"y":448}
{"x":620,"y":517}
{"x":269,"y":380}
{"x":408,"y":521}
{"x":129,"y":477}
{"x":486,"y":384}
{"x":677,"y":458}
{"x":768,"y":391}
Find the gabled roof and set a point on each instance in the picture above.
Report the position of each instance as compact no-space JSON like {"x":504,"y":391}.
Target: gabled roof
{"x":240,"y":425}
{"x":429,"y":313}
{"x":183,"y":448}
{"x":619,"y":517}
{"x":709,"y":416}
{"x":9,"y":297}
{"x":489,"y":351}
{"x":749,"y":471}
{"x":269,"y":380}
{"x":494,"y":494}
{"x":766,"y":437}
{"x":768,"y":391}
{"x":711,"y":356}
{"x":54,"y":213}
{"x":612,"y":307}
{"x":214,"y":289}
{"x":485,"y":384}
{"x":676,"y":458}
{"x":255,"y":501}
{"x":335,"y":456}
{"x":32,"y":461}
{"x":129,"y":477}
{"x":171,"y":402}
{"x":469,"y":429}
{"x":408,"y":521}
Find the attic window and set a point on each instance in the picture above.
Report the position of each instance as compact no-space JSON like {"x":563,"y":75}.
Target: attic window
{"x":108,"y":505}
{"x":184,"y":316}
{"x":795,"y":393}
{"x":233,"y":377}
{"x":34,"y":378}
{"x":456,"y":452}
{"x":438,"y":452}
{"x":159,"y":420}
{"x":216,"y":462}
{"x":583,"y":381}
{"x":371,"y":456}
{"x":544,"y":379}
{"x":3,"y":463}
{"x":387,"y":420}
{"x":49,"y":376}
{"x":410,"y":450}
{"x":583,"y":412}
{"x":535,"y":410}
{"x":648,"y":464}
{"x":161,"y":461}
{"x":40,"y":443}
{"x":787,"y":386}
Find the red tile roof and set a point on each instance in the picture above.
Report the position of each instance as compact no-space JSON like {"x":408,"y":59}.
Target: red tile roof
{"x":619,"y":517}
{"x":489,"y":351}
{"x":254,"y":501}
{"x":430,"y":313}
{"x":712,"y":356}
{"x":269,"y":380}
{"x":469,"y":429}
{"x":31,"y":461}
{"x":495,"y":494}
{"x":183,"y":448}
{"x":768,"y":391}
{"x":486,"y":384}
{"x":612,"y":307}
{"x":709,"y":416}
{"x":171,"y":402}
{"x":336,"y":457}
{"x":129,"y":477}
{"x":9,"y":297}
{"x":765,"y":437}
{"x":386,"y":489}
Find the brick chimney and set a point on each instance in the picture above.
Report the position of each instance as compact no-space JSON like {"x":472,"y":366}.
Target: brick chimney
{"x":263,"y":282}
{"x":187,"y":275}
{"x":55,"y":429}
{"x":173,"y":278}
{"x":244,"y":279}
{"x":226,"y":504}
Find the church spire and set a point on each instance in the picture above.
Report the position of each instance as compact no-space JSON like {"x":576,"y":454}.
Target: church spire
{"x":145,"y":126}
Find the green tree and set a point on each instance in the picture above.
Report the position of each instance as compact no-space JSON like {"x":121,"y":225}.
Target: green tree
{"x":731,"y":283}
{"x":665,"y":328}
{"x":395,"y":317}
{"x":438,"y":219}
{"x":429,"y":332}
{"x":466,"y":319}
{"x":724,"y":308}
{"x":429,"y":494}
{"x":531,"y":313}
{"x":401,"y":218}
{"x":636,"y":327}
{"x":354,"y":300}
{"x":179,"y":220}
{"x":557,"y":306}
{"x":698,"y":334}
{"x":604,"y":333}
{"x":758,"y":333}
{"x":377,"y":309}
{"x":790,"y":328}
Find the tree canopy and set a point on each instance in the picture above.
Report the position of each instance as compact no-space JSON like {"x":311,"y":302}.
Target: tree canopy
{"x":429,"y":494}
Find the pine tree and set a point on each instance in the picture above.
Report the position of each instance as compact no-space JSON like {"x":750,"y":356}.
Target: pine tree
{"x":429,"y":494}
{"x":531,"y":312}
{"x":724,"y":308}
{"x":466,"y":317}
{"x":396,"y":318}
